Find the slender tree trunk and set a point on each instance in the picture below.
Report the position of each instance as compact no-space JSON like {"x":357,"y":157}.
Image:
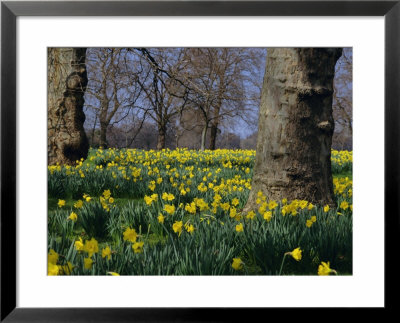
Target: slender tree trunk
{"x":93,"y":130}
{"x":162,"y":133}
{"x":293,"y":158}
{"x":213,"y":135}
{"x":203,"y":137}
{"x":103,"y":135}
{"x":67,"y":80}
{"x":217,"y":109}
{"x":214,"y":127}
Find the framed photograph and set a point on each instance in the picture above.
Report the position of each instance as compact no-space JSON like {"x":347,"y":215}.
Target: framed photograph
{"x":123,"y":199}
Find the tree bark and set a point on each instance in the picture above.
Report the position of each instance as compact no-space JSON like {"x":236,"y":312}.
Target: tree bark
{"x":215,"y":121}
{"x":103,"y":135}
{"x":67,"y":80}
{"x":293,"y":158}
{"x":162,"y":133}
{"x":213,"y":135}
{"x":203,"y":137}
{"x":217,"y":110}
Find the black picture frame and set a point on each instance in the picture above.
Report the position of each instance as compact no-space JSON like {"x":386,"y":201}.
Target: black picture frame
{"x":10,"y":10}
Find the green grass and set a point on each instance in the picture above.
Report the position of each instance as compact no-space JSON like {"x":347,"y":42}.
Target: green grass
{"x":53,"y":203}
{"x":348,"y":174}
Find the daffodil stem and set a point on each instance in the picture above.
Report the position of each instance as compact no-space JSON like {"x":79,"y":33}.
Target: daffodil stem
{"x":301,"y":238}
{"x":172,"y":240}
{"x":283,"y":260}
{"x":148,"y":231}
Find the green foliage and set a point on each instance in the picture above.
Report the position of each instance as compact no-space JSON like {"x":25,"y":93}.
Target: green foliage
{"x":328,"y":239}
{"x":111,"y":186}
{"x":94,"y":219}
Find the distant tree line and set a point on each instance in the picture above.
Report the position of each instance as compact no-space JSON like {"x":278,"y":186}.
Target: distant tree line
{"x":199,"y":98}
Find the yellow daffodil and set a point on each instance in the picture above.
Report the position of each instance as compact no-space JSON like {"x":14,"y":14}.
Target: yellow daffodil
{"x":177,"y":227}
{"x":130,"y":235}
{"x":52,"y":269}
{"x":344,"y":205}
{"x":66,"y":269}
{"x":52,"y":257}
{"x":148,"y":200}
{"x":138,"y":247}
{"x":189,"y":228}
{"x":106,"y":252}
{"x":73,"y":216}
{"x":112,"y":273}
{"x":267,"y":216}
{"x":239,"y":227}
{"x":170,"y":209}
{"x":272,"y":205}
{"x":91,"y":246}
{"x":152,"y":185}
{"x":160,"y":218}
{"x":237,"y":264}
{"x":168,"y":196}
{"x":88,"y":262}
{"x":191,"y":208}
{"x":250,"y":215}
{"x":107,"y":194}
{"x":303,"y":204}
{"x":296,"y":254}
{"x":79,"y":245}
{"x":263,"y":208}
{"x":324,"y":269}
{"x":78,"y":204}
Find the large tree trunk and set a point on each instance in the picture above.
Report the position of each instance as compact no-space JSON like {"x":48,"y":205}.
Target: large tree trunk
{"x":67,"y":80}
{"x":293,"y":158}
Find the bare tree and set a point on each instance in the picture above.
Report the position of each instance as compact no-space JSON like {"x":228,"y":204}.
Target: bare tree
{"x":342,"y":101}
{"x":221,"y":86}
{"x":188,"y":128}
{"x":67,"y":79}
{"x":296,"y":125}
{"x":239,"y":88}
{"x":165,"y":93}
{"x":113,"y":90}
{"x":249,"y":142}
